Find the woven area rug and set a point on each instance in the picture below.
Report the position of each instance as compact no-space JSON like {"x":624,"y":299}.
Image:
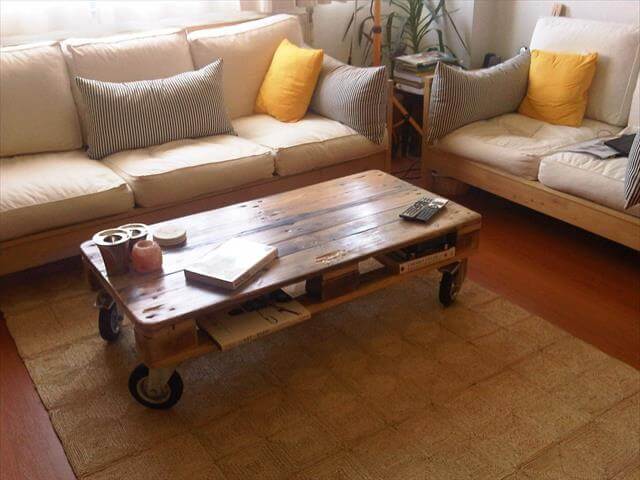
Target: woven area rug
{"x":391,"y":386}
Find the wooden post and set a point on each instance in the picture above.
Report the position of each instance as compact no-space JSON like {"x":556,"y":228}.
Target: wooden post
{"x":377,"y":33}
{"x":390,"y":99}
{"x":426,"y":171}
{"x":557,"y":10}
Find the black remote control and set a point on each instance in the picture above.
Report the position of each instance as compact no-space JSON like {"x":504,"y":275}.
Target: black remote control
{"x":424,"y":209}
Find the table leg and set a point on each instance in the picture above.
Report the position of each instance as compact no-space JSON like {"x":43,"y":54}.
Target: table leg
{"x":92,"y":278}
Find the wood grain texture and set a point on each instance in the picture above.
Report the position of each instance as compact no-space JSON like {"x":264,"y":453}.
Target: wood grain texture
{"x":585,"y":284}
{"x":316,"y":228}
{"x":29,"y":448}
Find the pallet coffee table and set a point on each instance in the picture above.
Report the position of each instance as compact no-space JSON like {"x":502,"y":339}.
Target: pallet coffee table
{"x":323,"y":232}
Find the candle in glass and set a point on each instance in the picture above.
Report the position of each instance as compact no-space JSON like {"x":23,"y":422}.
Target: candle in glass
{"x":146,"y":256}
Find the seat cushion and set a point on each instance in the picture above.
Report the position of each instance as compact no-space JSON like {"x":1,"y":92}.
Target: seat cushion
{"x":313,"y":142}
{"x":37,"y":110}
{"x":247,"y":49}
{"x":185,"y":169}
{"x":47,"y":190}
{"x":582,"y":175}
{"x":515,"y":143}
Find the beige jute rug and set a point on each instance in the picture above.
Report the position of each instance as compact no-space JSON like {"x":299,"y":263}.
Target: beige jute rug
{"x":391,"y":386}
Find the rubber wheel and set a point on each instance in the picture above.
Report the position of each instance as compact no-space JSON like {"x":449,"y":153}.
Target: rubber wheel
{"x":137,"y":381}
{"x":109,"y":320}
{"x":448,"y":288}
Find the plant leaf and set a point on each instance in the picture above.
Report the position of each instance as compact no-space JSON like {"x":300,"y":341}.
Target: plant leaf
{"x":361,"y":29}
{"x":455,"y":29}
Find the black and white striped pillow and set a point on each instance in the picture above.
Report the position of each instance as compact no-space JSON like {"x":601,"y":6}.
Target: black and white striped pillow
{"x":632,"y":175}
{"x":459,"y":97}
{"x":354,"y":96}
{"x":124,"y":116}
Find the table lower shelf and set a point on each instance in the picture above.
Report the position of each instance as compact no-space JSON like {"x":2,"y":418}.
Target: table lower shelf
{"x":189,"y":339}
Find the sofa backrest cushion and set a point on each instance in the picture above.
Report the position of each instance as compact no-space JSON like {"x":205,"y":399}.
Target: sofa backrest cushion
{"x":618,"y":49}
{"x":37,"y":112}
{"x":126,"y":58}
{"x":247,"y":50}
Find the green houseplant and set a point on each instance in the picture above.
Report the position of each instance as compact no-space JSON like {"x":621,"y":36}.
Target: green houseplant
{"x":412,"y":26}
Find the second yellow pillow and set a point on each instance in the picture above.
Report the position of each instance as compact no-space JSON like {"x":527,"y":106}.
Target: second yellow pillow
{"x":289,"y":83}
{"x":558,"y":85}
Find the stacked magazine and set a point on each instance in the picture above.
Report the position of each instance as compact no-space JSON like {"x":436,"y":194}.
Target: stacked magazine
{"x":410,"y":70}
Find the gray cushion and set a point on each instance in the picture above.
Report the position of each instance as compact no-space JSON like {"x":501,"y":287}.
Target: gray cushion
{"x":632,"y":175}
{"x":124,"y":116}
{"x":459,"y":97}
{"x":354,"y":96}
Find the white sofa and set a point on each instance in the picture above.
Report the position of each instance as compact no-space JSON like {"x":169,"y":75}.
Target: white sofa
{"x":53,"y":196}
{"x":521,"y":159}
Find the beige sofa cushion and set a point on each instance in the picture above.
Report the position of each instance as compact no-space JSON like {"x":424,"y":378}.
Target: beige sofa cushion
{"x":37,"y":111}
{"x":126,"y":58}
{"x":601,"y":181}
{"x":618,"y":48}
{"x":313,"y":142}
{"x":515,"y":143}
{"x":185,"y":169}
{"x":247,"y":50}
{"x":47,"y":190}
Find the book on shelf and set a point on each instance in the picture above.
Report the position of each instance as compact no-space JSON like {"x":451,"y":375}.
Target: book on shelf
{"x":408,"y":78}
{"x":424,"y":60}
{"x":402,"y":70}
{"x":409,"y":89}
{"x":232,"y":263}
{"x":416,"y":257}
{"x":229,"y":329}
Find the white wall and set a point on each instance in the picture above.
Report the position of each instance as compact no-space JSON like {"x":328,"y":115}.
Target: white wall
{"x":330,"y":21}
{"x":497,"y":26}
{"x":514,"y":20}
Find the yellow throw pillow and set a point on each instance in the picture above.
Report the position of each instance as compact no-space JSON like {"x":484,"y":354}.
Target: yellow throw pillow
{"x":558,"y":84}
{"x":289,"y":83}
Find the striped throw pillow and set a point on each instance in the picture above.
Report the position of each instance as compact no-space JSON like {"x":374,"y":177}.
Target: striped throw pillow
{"x":354,"y":96}
{"x":124,"y":116}
{"x":632,"y":175}
{"x":459,"y":97}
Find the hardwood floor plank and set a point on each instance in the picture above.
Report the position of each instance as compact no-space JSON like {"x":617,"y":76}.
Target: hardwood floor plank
{"x":585,"y":284}
{"x":29,"y":447}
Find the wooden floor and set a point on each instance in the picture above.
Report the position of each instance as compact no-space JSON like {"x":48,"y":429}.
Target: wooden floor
{"x":587,"y":285}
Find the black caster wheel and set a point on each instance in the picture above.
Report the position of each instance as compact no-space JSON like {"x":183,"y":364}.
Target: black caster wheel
{"x":109,"y":320}
{"x":161,"y":399}
{"x":448,"y":288}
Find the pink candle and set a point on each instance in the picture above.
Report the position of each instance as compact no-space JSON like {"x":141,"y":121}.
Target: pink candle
{"x":146,"y":256}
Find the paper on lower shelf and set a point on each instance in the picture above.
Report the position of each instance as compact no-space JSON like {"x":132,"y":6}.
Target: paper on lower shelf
{"x":229,"y":330}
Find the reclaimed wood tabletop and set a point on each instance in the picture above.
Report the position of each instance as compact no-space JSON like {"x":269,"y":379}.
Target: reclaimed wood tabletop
{"x":315,"y":228}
